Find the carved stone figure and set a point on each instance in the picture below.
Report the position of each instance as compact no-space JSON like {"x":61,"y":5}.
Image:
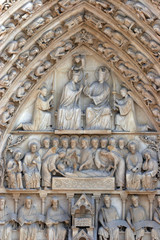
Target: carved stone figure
{"x":45,"y":144}
{"x":12,"y":48}
{"x":122,"y":150}
{"x":49,"y":163}
{"x":62,"y":50}
{"x":150,"y":167}
{"x":41,"y":118}
{"x":73,"y":21}
{"x":73,"y":154}
{"x":21,"y":92}
{"x":125,"y":120}
{"x":86,"y":160}
{"x":5,"y":220}
{"x":135,"y":215}
{"x":14,"y":170}
{"x":134,"y":165}
{"x":107,"y":214}
{"x":55,"y":219}
{"x":69,"y":112}
{"x":32,"y":166}
{"x":7,"y":79}
{"x":100,"y":161}
{"x":98,"y":115}
{"x":40,"y":70}
{"x":28,"y":218}
{"x":7,"y":114}
{"x":155,"y":233}
{"x":94,"y":146}
{"x":37,"y":23}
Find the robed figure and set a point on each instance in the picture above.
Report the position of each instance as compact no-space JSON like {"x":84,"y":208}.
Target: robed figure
{"x":5,"y":220}
{"x":55,"y":219}
{"x":28,"y":218}
{"x":107,"y":214}
{"x":98,"y":114}
{"x":69,"y":112}
{"x":41,"y":116}
{"x":125,"y":119}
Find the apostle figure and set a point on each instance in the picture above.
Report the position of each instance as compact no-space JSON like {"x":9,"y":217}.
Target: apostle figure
{"x":125,"y":120}
{"x":122,"y":150}
{"x":107,"y":214}
{"x":5,"y":218}
{"x":155,"y":233}
{"x":134,"y":165}
{"x":14,"y":170}
{"x":73,"y":154}
{"x":98,"y":115}
{"x":135,"y":215}
{"x":150,"y":167}
{"x":49,"y":163}
{"x":32,"y":166}
{"x":100,"y":160}
{"x":28,"y":219}
{"x":86,"y":160}
{"x":41,"y":117}
{"x":55,"y":219}
{"x":69,"y":112}
{"x":45,"y":145}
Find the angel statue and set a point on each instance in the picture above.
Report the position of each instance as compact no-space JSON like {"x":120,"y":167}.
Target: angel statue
{"x":41,"y":116}
{"x":125,"y":119}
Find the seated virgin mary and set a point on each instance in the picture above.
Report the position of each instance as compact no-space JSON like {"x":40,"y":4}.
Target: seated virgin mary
{"x":69,"y":112}
{"x":98,"y":114}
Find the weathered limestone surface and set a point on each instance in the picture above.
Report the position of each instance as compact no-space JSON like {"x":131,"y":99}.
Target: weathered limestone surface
{"x":79,"y":120}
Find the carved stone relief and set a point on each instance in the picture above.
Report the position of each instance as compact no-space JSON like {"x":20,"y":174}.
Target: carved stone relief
{"x":79,"y":120}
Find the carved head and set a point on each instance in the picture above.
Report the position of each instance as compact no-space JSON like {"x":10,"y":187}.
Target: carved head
{"x":112,"y":141}
{"x":43,"y":91}
{"x":121,"y":143}
{"x":21,"y":42}
{"x":47,"y":64}
{"x":62,"y":153}
{"x":27,"y":85}
{"x":85,"y":142}
{"x":132,"y":147}
{"x":11,"y":108}
{"x":2,"y":203}
{"x":104,"y":142}
{"x":147,"y":154}
{"x":46,"y":142}
{"x":95,"y":142}
{"x":33,"y":147}
{"x":77,"y":59}
{"x":17,"y":154}
{"x":135,"y":200}
{"x":12,"y":74}
{"x":55,"y":142}
{"x":74,"y":142}
{"x":123,"y":92}
{"x":65,"y":142}
{"x":107,"y":201}
{"x":55,"y":203}
{"x":68,"y":45}
{"x":102,"y":74}
{"x":28,"y":202}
